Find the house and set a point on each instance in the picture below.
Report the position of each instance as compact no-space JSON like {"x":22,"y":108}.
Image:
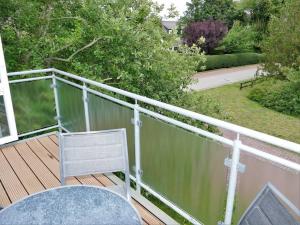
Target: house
{"x":169,"y":26}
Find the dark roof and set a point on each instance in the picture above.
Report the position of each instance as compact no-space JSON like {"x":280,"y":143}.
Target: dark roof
{"x":169,"y":25}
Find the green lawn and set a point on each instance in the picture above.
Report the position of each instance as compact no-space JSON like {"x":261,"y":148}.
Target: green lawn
{"x":247,"y":113}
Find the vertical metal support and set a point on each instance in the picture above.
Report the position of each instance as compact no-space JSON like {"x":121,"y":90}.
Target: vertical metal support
{"x":54,"y":86}
{"x":137,"y":146}
{"x":86,"y":107}
{"x":232,"y":181}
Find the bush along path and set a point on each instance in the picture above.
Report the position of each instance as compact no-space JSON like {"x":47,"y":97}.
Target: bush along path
{"x":215,"y":78}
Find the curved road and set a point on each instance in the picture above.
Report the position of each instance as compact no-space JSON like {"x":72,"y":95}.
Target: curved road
{"x":220,"y":77}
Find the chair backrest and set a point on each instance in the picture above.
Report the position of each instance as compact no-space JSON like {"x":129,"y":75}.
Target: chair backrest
{"x":88,"y":153}
{"x":267,"y":209}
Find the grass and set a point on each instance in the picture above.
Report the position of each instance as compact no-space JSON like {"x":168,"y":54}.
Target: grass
{"x":244,"y":112}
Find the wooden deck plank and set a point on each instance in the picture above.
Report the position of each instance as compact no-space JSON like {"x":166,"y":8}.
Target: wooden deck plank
{"x":54,"y":138}
{"x":40,"y":160}
{"x":48,"y":159}
{"x":40,"y":170}
{"x":24,"y":173}
{"x":50,"y":146}
{"x":4,"y":200}
{"x":10,"y":181}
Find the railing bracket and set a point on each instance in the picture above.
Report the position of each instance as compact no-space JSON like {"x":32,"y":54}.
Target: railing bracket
{"x":57,"y":118}
{"x":241,"y":167}
{"x":85,"y":99}
{"x":138,"y":122}
{"x":53,"y":86}
{"x":141,"y":172}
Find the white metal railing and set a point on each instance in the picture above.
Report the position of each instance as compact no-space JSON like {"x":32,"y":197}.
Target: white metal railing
{"x":236,"y":145}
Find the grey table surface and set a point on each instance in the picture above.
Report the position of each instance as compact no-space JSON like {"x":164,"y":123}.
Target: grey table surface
{"x":71,"y":205}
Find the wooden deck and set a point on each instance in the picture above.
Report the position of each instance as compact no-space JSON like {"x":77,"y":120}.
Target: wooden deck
{"x":32,"y":165}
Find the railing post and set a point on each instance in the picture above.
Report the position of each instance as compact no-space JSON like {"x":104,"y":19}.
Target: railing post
{"x":54,"y":86}
{"x":86,"y":107}
{"x":137,"y":146}
{"x":232,"y":181}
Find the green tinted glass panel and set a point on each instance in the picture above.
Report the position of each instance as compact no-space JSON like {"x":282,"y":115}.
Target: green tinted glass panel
{"x":259,"y":172}
{"x":34,"y":105}
{"x":105,"y":115}
{"x":71,"y":107}
{"x":185,"y":168}
{"x":4,"y":129}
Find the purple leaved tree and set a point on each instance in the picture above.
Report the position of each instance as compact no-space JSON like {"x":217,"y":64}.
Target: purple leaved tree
{"x":212,"y":30}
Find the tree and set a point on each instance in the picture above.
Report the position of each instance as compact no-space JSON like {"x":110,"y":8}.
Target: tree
{"x":172,"y":11}
{"x":282,"y":46}
{"x":259,"y":14}
{"x":212,"y":32}
{"x":239,"y":39}
{"x":202,"y":10}
{"x":117,"y":42}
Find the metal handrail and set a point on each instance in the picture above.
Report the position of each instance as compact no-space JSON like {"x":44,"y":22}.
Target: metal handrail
{"x":236,"y":145}
{"x":215,"y":122}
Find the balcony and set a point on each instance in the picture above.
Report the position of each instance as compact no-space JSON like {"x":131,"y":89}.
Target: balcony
{"x":203,"y":176}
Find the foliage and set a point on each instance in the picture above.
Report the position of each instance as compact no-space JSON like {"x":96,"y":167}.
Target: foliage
{"x":230,"y":60}
{"x":292,"y":74}
{"x":120,"y":43}
{"x":172,"y":11}
{"x":258,"y":13}
{"x":199,"y":10}
{"x":203,"y":104}
{"x":212,"y":31}
{"x":280,"y":96}
{"x":247,"y":113}
{"x":282,"y":45}
{"x":239,"y":39}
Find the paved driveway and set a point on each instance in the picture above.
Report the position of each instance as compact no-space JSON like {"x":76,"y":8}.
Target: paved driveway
{"x":220,"y":77}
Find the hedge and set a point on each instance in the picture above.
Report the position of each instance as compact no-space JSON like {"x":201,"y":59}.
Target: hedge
{"x":230,"y":60}
{"x":281,"y":96}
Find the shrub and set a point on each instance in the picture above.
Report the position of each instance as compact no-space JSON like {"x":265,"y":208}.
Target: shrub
{"x":213,"y":31}
{"x":282,"y":45}
{"x":281,"y":96}
{"x":239,"y":39}
{"x":230,"y":60}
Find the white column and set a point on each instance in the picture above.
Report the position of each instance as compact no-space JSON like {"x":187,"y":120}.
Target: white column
{"x":232,"y":182}
{"x":137,"y":146}
{"x":86,"y":107}
{"x":54,"y":86}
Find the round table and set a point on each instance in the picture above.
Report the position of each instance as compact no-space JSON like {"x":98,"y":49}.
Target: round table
{"x":71,"y":205}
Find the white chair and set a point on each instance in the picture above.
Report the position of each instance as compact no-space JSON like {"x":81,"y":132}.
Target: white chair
{"x":87,"y":153}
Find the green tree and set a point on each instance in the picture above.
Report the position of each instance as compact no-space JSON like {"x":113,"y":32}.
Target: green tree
{"x":172,"y":11}
{"x":239,"y":39}
{"x":201,"y":10}
{"x":282,"y":46}
{"x":117,"y":42}
{"x":259,"y":13}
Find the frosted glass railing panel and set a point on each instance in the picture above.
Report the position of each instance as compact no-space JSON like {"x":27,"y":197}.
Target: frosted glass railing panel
{"x":71,"y":107}
{"x":185,"y":168}
{"x":257,"y":174}
{"x":105,"y":115}
{"x":34,"y":105}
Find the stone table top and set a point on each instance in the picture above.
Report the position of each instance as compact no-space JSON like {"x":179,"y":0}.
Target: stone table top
{"x":71,"y":205}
